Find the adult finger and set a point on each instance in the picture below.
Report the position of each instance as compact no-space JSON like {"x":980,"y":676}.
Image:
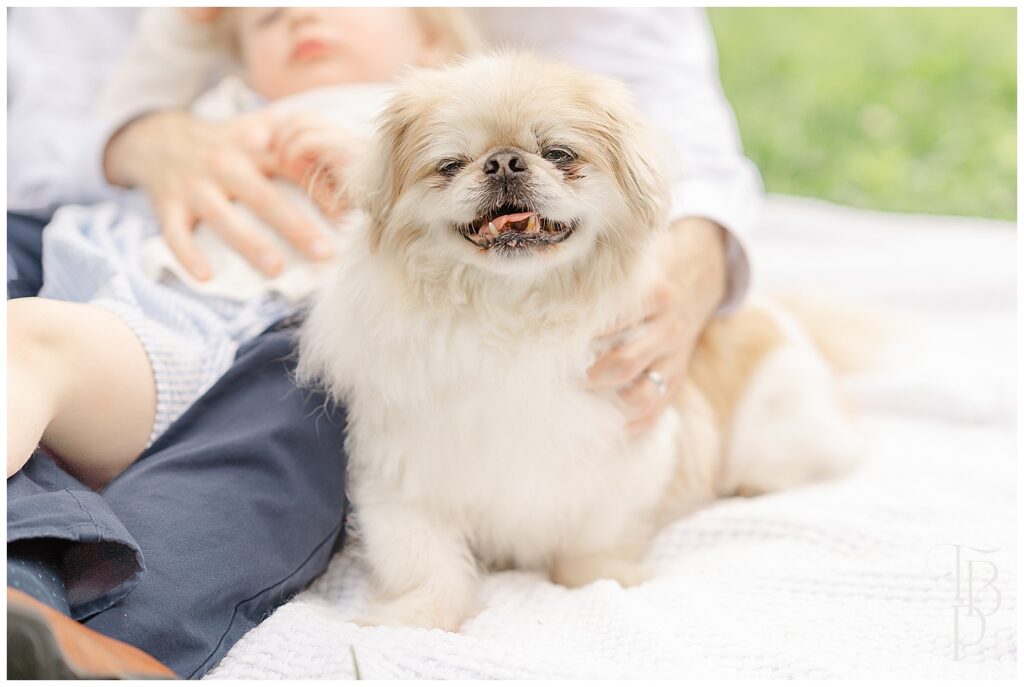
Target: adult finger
{"x":253,"y":131}
{"x":623,"y":363}
{"x":657,"y":302}
{"x":268,"y":202}
{"x":643,"y":402}
{"x":251,"y":135}
{"x":176,"y":224}
{"x":223,"y":217}
{"x":620,"y":326}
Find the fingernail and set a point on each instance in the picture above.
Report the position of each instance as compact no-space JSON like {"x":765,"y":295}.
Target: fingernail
{"x":321,"y":249}
{"x":201,"y":272}
{"x":269,"y":261}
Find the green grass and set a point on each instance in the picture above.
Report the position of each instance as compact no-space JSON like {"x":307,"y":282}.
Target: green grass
{"x":896,"y":109}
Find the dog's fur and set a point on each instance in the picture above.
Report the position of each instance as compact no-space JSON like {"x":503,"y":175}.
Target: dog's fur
{"x":472,"y":439}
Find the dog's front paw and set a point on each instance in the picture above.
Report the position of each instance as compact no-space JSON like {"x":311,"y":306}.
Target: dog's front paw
{"x":417,"y":610}
{"x":577,"y":571}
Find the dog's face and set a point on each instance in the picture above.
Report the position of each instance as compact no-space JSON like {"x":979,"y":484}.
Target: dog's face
{"x":514,"y":165}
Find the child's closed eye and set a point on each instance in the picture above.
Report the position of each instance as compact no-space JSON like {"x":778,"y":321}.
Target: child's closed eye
{"x":268,"y":17}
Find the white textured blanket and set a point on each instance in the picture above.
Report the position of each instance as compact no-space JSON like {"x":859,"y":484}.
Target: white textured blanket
{"x":856,"y":578}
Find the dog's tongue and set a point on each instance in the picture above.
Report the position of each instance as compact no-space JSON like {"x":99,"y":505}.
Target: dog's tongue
{"x":500,"y":222}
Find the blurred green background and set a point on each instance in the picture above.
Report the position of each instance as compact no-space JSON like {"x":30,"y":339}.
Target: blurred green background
{"x":896,"y":109}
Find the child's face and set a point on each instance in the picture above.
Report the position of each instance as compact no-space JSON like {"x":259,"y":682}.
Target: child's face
{"x":289,"y":50}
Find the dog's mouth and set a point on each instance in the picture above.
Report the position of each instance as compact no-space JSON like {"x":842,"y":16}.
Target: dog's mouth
{"x":514,"y":229}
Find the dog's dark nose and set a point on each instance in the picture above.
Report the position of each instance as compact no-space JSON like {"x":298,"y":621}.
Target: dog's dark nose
{"x":505,"y":163}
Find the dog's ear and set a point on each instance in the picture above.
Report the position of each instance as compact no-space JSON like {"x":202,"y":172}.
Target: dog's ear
{"x":380,"y":174}
{"x":635,"y":155}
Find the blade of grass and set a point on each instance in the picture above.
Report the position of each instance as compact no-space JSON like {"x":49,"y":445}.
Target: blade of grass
{"x":355,"y":662}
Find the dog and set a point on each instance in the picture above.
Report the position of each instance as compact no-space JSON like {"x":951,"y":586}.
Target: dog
{"x":512,"y":205}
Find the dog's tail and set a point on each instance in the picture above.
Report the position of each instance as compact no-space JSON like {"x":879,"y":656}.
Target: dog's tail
{"x":852,"y":337}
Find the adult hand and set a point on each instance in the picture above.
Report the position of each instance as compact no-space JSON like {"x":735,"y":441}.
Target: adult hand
{"x":689,"y":289}
{"x":192,"y":170}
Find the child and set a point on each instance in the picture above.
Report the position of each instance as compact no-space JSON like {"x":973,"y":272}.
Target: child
{"x":122,"y":339}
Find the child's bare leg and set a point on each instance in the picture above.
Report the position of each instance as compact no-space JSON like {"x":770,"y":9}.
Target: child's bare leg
{"x":79,"y":380}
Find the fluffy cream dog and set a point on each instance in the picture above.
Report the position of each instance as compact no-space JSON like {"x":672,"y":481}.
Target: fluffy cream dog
{"x":513,"y":206}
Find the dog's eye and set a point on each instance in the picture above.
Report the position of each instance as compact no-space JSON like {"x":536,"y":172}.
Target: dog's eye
{"x":450,"y":167}
{"x":559,"y":154}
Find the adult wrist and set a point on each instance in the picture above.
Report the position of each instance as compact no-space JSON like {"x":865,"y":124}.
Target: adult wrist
{"x":699,"y":258}
{"x":115,"y":155}
{"x":123,"y":159}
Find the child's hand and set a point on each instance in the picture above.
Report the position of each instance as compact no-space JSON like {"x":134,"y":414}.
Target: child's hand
{"x":314,"y":153}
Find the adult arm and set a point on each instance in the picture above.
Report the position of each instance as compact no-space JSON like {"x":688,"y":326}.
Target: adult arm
{"x":672,"y":65}
{"x":58,"y":59}
{"x":682,"y":95}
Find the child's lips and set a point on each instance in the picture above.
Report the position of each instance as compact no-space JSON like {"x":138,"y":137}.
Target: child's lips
{"x":310,"y":49}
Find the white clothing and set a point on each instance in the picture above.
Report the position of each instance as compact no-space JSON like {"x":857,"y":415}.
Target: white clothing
{"x":58,"y":59}
{"x":665,"y":54}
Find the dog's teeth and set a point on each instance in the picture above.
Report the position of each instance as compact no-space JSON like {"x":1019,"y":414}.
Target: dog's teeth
{"x":494,"y":229}
{"x":531,"y":225}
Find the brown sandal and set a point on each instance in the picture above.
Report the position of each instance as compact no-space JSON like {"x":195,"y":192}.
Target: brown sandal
{"x":44,"y":644}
